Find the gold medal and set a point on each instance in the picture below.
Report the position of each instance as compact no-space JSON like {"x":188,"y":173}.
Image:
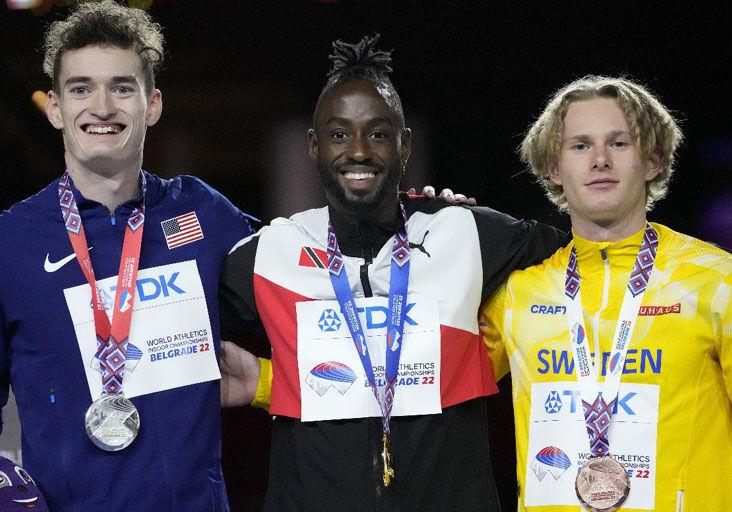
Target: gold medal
{"x":386,"y":457}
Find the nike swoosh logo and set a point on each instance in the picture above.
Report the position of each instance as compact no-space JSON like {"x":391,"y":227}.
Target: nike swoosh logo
{"x":49,"y":266}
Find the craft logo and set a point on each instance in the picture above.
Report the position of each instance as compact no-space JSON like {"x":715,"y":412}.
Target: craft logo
{"x":543,"y":309}
{"x":330,"y":374}
{"x":616,"y":363}
{"x":550,"y":460}
{"x":329,"y":321}
{"x":553,"y":403}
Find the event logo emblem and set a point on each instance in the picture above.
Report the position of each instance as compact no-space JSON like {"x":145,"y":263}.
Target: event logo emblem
{"x":330,"y":374}
{"x":578,"y":334}
{"x":125,"y":301}
{"x":329,"y":321}
{"x":616,"y":363}
{"x":550,"y":460}
{"x":553,"y":403}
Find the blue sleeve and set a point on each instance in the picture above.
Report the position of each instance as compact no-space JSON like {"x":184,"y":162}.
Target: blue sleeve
{"x":233,"y":224}
{"x":4,"y":363}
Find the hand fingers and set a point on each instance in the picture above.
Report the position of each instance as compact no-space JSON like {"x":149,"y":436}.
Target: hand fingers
{"x":429,"y":191}
{"x":447,"y":195}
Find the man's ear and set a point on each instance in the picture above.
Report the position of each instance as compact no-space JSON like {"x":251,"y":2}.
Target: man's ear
{"x":312,"y":144}
{"x":154,"y":107}
{"x":554,"y":175}
{"x":405,"y":146}
{"x":654,"y":166}
{"x":53,"y":110}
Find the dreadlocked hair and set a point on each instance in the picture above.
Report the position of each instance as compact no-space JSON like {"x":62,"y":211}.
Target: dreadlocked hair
{"x":361,"y":62}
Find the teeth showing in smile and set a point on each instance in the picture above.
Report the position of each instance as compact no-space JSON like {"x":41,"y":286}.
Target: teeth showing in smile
{"x":103,"y":129}
{"x":358,"y":175}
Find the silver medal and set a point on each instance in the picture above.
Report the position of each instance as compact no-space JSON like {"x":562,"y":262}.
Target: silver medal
{"x":112,"y":422}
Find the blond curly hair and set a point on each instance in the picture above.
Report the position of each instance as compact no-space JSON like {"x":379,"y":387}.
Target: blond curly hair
{"x":653,"y":128}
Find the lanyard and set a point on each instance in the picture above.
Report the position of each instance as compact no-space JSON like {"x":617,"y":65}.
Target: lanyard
{"x":112,"y":339}
{"x":398,"y":286}
{"x":598,"y":413}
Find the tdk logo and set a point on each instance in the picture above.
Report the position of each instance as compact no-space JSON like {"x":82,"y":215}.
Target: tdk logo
{"x":148,"y":288}
{"x":329,"y":321}
{"x":624,"y":402}
{"x":377,"y":317}
{"x":553,"y":403}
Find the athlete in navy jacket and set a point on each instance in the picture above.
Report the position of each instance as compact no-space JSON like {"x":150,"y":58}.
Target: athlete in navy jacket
{"x":101,"y":60}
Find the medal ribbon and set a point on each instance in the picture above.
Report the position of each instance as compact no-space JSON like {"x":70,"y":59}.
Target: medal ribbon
{"x":598,"y":413}
{"x":112,"y":339}
{"x":398,"y":286}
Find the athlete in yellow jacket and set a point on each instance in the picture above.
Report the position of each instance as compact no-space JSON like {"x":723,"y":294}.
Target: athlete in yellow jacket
{"x":604,"y":150}
{"x":673,"y":425}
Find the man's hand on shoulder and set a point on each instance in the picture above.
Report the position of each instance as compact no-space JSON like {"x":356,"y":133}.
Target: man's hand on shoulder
{"x":445,"y":195}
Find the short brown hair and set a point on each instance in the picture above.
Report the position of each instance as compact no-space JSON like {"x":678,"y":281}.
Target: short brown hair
{"x":105,"y":23}
{"x":652,"y":127}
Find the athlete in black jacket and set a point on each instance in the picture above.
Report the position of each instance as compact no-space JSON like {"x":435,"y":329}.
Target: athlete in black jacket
{"x":328,"y":443}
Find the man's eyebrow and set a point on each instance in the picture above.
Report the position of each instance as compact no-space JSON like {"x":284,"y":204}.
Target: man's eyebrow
{"x":584,"y":136}
{"x":115,"y":79}
{"x":77,"y":79}
{"x":344,"y":120}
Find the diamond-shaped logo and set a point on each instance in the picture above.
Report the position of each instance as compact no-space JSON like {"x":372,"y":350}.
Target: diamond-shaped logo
{"x":329,"y":321}
{"x":553,"y":403}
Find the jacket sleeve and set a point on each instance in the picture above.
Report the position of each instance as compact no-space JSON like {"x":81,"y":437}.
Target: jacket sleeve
{"x":722,"y":319}
{"x":237,"y":305}
{"x":494,"y":330}
{"x":4,"y":364}
{"x":508,"y":244}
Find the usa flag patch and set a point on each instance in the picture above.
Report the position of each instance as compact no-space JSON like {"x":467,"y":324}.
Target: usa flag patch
{"x":182,"y":230}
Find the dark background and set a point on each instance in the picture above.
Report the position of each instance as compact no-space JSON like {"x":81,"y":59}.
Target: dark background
{"x":241,"y":78}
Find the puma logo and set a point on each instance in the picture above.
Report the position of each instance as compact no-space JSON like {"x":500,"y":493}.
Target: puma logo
{"x":420,"y":245}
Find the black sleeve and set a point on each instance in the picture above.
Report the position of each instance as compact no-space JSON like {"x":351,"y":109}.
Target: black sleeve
{"x":508,"y":244}
{"x":237,"y":306}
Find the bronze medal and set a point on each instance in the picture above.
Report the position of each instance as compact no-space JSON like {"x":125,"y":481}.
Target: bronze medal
{"x":602,"y":484}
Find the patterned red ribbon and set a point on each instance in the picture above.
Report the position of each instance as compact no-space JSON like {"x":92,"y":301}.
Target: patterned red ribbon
{"x":112,"y":339}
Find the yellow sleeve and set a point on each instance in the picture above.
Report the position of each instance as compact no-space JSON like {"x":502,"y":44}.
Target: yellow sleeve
{"x":264,"y":386}
{"x":724,"y":345}
{"x":492,"y":324}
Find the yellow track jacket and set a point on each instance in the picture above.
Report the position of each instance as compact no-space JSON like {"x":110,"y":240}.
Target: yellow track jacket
{"x":672,"y":428}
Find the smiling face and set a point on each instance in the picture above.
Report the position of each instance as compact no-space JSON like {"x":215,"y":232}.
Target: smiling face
{"x":360,"y":149}
{"x":600,"y":169}
{"x":103,"y":109}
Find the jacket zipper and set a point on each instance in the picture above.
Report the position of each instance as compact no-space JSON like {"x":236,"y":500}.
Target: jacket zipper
{"x":680,"y":500}
{"x":596,"y":316}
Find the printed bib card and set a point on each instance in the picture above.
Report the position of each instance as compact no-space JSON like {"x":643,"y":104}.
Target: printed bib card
{"x":171,"y":344}
{"x":558,"y":442}
{"x":333,"y":384}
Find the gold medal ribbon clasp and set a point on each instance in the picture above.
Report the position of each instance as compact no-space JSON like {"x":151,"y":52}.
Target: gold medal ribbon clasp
{"x":386,"y":457}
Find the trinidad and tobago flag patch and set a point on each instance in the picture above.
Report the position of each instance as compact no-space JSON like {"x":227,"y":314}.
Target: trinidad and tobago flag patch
{"x":311,"y":257}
